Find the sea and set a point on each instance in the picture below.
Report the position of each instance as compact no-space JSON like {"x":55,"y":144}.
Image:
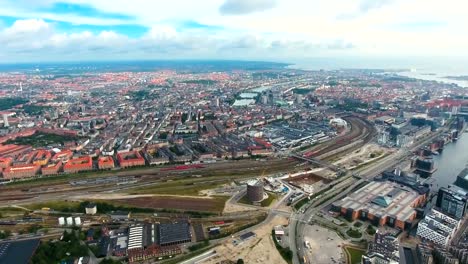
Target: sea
{"x":433,"y":69}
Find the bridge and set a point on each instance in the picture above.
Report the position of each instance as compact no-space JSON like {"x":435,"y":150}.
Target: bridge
{"x":319,"y":163}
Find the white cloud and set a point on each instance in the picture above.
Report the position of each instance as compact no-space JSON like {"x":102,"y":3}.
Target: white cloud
{"x":241,"y":7}
{"x":39,"y":40}
{"x":292,"y":28}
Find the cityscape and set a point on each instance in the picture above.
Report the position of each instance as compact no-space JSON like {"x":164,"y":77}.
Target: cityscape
{"x":167,"y":153}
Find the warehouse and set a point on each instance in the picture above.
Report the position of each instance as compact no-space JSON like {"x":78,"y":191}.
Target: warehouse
{"x":174,"y":233}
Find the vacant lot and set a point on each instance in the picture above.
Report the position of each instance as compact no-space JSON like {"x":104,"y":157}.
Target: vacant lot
{"x":215,"y":204}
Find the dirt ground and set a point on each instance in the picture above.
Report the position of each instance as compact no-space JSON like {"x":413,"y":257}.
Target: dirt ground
{"x":325,"y":245}
{"x":362,"y":155}
{"x":188,"y":203}
{"x":235,"y":208}
{"x":260,"y":249}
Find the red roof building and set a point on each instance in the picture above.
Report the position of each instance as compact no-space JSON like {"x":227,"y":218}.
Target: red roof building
{"x":5,"y":162}
{"x":106,"y":162}
{"x":21,"y":171}
{"x":78,"y":164}
{"x":52,"y":169}
{"x":13,"y":150}
{"x":41,"y":157}
{"x":62,"y":156}
{"x":130,"y":159}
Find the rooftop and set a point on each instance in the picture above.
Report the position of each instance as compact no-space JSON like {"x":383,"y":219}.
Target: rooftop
{"x":174,"y":232}
{"x":382,"y":198}
{"x":18,"y":252}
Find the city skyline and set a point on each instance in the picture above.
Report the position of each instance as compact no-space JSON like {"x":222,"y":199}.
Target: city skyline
{"x":277,"y":30}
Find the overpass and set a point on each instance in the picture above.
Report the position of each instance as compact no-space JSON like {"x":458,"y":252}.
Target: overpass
{"x":319,"y":163}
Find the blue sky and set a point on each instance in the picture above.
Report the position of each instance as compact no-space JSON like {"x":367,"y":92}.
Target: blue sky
{"x":284,"y":30}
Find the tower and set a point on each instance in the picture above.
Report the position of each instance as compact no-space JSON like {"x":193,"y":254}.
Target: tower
{"x":5,"y":120}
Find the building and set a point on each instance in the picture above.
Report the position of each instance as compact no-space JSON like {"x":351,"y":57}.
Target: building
{"x":130,"y":159}
{"x":91,"y":209}
{"x":452,"y":201}
{"x":78,"y":165}
{"x":382,"y":203}
{"x":384,"y":249}
{"x":437,"y":228}
{"x":52,"y":168}
{"x":136,"y":236}
{"x":383,"y":137}
{"x":255,"y":191}
{"x":424,"y":254}
{"x":41,"y":157}
{"x":62,"y":156}
{"x":106,"y":162}
{"x":174,"y":233}
{"x":21,"y":171}
{"x":120,"y":215}
{"x":5,"y":162}
{"x":5,"y":120}
{"x":462,"y":179}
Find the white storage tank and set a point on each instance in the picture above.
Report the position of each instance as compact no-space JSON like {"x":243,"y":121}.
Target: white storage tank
{"x":70,"y":221}
{"x":61,"y":221}
{"x":77,"y":221}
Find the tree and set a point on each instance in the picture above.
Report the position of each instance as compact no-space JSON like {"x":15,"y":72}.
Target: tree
{"x":240,"y":261}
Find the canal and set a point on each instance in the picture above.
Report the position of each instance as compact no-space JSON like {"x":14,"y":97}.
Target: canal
{"x":450,"y":162}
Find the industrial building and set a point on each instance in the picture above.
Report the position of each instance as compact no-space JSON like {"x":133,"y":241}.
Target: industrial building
{"x":18,"y":252}
{"x":255,"y":191}
{"x":91,"y":209}
{"x":452,"y":201}
{"x":136,"y":237}
{"x":382,"y":202}
{"x":437,"y":228}
{"x":174,"y":233}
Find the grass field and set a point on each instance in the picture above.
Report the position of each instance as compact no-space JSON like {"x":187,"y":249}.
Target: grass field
{"x":188,"y":187}
{"x":354,"y":254}
{"x":64,"y":206}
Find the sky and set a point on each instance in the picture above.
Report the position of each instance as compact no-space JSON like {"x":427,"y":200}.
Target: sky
{"x":276,"y":30}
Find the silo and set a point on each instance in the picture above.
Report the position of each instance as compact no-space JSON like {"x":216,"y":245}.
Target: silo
{"x":61,"y":221}
{"x":70,"y":221}
{"x":77,"y":221}
{"x":255,"y":191}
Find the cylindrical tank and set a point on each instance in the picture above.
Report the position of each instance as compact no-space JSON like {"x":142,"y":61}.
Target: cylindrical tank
{"x":255,"y":191}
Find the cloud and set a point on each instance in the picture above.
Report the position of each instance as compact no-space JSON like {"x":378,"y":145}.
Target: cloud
{"x":241,"y":7}
{"x":38,"y":40}
{"x":368,"y":5}
{"x":364,"y":7}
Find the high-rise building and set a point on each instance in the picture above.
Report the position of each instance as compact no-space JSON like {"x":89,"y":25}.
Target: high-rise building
{"x":452,"y":201}
{"x":437,"y":228}
{"x":5,"y":120}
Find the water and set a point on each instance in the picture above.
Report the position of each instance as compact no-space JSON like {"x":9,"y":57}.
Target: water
{"x":451,"y":162}
{"x":432,"y":69}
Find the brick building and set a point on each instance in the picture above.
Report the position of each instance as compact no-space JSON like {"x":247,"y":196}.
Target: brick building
{"x":130,"y":159}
